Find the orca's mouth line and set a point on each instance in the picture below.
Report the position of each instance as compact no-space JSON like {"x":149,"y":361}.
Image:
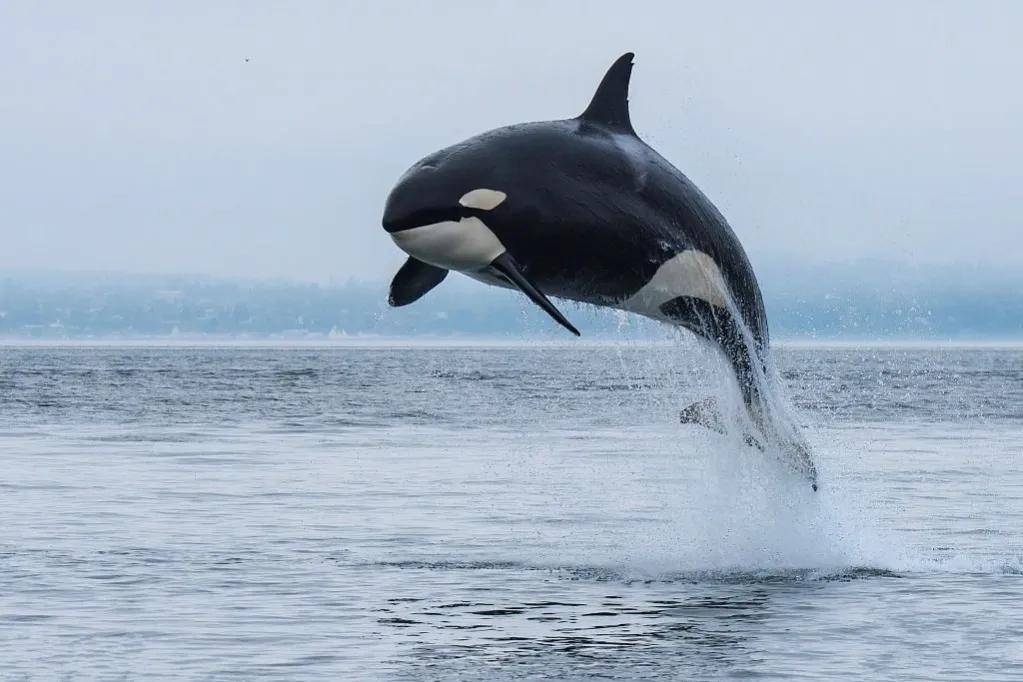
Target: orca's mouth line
{"x":431,"y":216}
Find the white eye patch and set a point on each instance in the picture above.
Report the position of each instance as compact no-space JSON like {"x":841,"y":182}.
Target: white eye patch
{"x":483,"y":199}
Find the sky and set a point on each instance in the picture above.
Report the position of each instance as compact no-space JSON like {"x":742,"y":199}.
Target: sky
{"x":260,"y":139}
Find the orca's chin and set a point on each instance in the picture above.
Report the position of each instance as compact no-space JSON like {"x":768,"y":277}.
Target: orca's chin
{"x":466,"y":245}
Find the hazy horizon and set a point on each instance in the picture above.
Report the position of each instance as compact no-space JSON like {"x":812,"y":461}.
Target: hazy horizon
{"x":865,"y":300}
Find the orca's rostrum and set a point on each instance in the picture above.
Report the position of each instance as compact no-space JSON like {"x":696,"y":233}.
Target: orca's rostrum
{"x":583,"y":209}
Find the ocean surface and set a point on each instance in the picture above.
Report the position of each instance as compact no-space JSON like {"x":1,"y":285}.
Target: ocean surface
{"x":504,"y":512}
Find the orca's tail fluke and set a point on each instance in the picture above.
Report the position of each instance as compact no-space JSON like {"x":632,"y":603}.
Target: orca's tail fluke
{"x":703,"y":413}
{"x":706,"y":413}
{"x":774,"y":421}
{"x":747,"y":357}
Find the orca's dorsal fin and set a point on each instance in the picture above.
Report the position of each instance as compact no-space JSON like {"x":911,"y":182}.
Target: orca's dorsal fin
{"x":610,"y":104}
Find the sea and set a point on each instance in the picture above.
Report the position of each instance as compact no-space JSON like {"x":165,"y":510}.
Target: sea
{"x":496,"y":511}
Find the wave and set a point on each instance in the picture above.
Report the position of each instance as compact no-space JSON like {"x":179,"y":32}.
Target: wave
{"x":905,"y":569}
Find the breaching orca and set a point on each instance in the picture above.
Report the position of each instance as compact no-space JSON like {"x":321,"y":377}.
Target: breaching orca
{"x":583,"y":209}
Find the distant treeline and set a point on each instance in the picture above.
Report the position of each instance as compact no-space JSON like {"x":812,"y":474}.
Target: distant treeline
{"x":854,"y":301}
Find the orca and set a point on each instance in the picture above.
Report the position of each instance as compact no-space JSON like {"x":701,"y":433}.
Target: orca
{"x":583,"y":209}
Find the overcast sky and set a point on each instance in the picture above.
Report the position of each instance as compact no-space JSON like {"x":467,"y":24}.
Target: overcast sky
{"x":261,"y":139}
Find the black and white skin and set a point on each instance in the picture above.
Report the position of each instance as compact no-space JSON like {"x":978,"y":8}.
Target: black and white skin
{"x":583,"y":209}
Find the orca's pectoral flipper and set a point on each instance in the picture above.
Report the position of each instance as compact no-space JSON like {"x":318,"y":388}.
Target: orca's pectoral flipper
{"x":413,"y":280}
{"x":505,"y":266}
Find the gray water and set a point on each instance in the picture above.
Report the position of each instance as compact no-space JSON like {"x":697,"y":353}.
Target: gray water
{"x":504,"y":512}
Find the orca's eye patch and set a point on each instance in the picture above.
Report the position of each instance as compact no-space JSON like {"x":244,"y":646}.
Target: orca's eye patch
{"x":483,"y":199}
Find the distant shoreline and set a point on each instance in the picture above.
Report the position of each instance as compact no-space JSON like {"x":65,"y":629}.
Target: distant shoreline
{"x":857,"y":304}
{"x":485,"y":342}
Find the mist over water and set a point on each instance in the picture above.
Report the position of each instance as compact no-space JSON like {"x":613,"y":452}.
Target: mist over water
{"x":530,"y":512}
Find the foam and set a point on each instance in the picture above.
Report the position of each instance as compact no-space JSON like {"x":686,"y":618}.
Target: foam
{"x":720,"y":509}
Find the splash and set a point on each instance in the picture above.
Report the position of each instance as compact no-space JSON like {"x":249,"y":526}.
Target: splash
{"x":724,"y":509}
{"x":706,"y":501}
